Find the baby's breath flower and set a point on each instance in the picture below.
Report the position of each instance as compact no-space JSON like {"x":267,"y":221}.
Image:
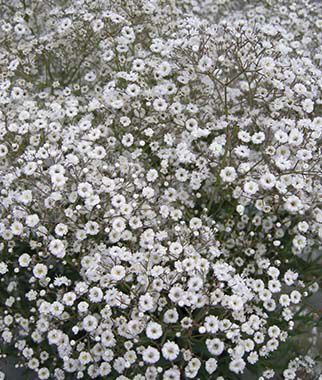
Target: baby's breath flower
{"x":160,"y":172}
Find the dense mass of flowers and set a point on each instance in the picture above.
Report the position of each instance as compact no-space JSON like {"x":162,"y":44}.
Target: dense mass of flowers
{"x":160,"y":174}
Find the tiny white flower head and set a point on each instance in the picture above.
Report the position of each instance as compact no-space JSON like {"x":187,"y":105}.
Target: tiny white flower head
{"x":117,"y":273}
{"x":40,"y":271}
{"x":90,"y":323}
{"x":151,"y":355}
{"x":24,"y":260}
{"x":153,"y":330}
{"x":57,"y":248}
{"x":170,"y":351}
{"x":228,"y":174}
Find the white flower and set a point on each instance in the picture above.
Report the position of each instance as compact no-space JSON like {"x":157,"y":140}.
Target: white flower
{"x":105,"y":369}
{"x":56,"y":308}
{"x":237,"y":366}
{"x":281,"y":136}
{"x":84,"y":357}
{"x":151,"y":355}
{"x":43,"y":373}
{"x":69,"y":298}
{"x":163,"y":69}
{"x":295,"y":296}
{"x":299,"y":241}
{"x":215,"y":346}
{"x":57,"y":248}
{"x":133,"y":90}
{"x":160,"y":104}
{"x":40,"y":271}
{"x":195,"y":223}
{"x":58,"y":180}
{"x":293,"y":204}
{"x":176,"y":294}
{"x":108,"y":339}
{"x":175,"y":249}
{"x":205,"y":63}
{"x":171,"y":374}
{"x":274,"y":331}
{"x":170,"y":351}
{"x":17,"y":92}
{"x":127,"y":139}
{"x":171,"y":316}
{"x":138,"y":65}
{"x":211,"y":365}
{"x":24,"y":260}
{"x":61,"y":229}
{"x":295,"y":137}
{"x":258,"y":138}
{"x":228,"y":174}
{"x":118,"y":224}
{"x":284,"y":300}
{"x":90,"y":323}
{"x":152,"y":175}
{"x":192,"y":368}
{"x":25,"y":197}
{"x":118,"y":201}
{"x":154,"y":182}
{"x":146,"y":302}
{"x":267,"y":181}
{"x":117,"y":273}
{"x":3,"y":150}
{"x":3,"y":267}
{"x":267,"y":64}
{"x":308,"y":105}
{"x":16,"y":228}
{"x":250,"y":187}
{"x":154,"y":330}
{"x":95,"y":294}
{"x":211,"y":324}
{"x":148,"y":192}
{"x":54,"y":336}
{"x":92,"y":228}
{"x":84,"y":189}
{"x":32,"y":220}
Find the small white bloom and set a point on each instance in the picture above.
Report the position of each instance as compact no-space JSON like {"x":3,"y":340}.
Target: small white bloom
{"x":56,"y":308}
{"x":32,"y":220}
{"x":57,"y":248}
{"x":24,"y":260}
{"x":170,"y":351}
{"x":16,"y":228}
{"x":61,"y":229}
{"x":251,"y":187}
{"x":151,"y":355}
{"x":237,"y":366}
{"x":308,"y":105}
{"x":117,"y":273}
{"x":267,"y":181}
{"x":153,"y":330}
{"x":228,"y":174}
{"x":90,"y":323}
{"x":215,"y":346}
{"x":40,"y":271}
{"x":211,"y":365}
{"x":146,"y":302}
{"x":84,"y":189}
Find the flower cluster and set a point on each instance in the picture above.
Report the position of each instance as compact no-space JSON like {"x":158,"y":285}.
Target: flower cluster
{"x":160,"y":185}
